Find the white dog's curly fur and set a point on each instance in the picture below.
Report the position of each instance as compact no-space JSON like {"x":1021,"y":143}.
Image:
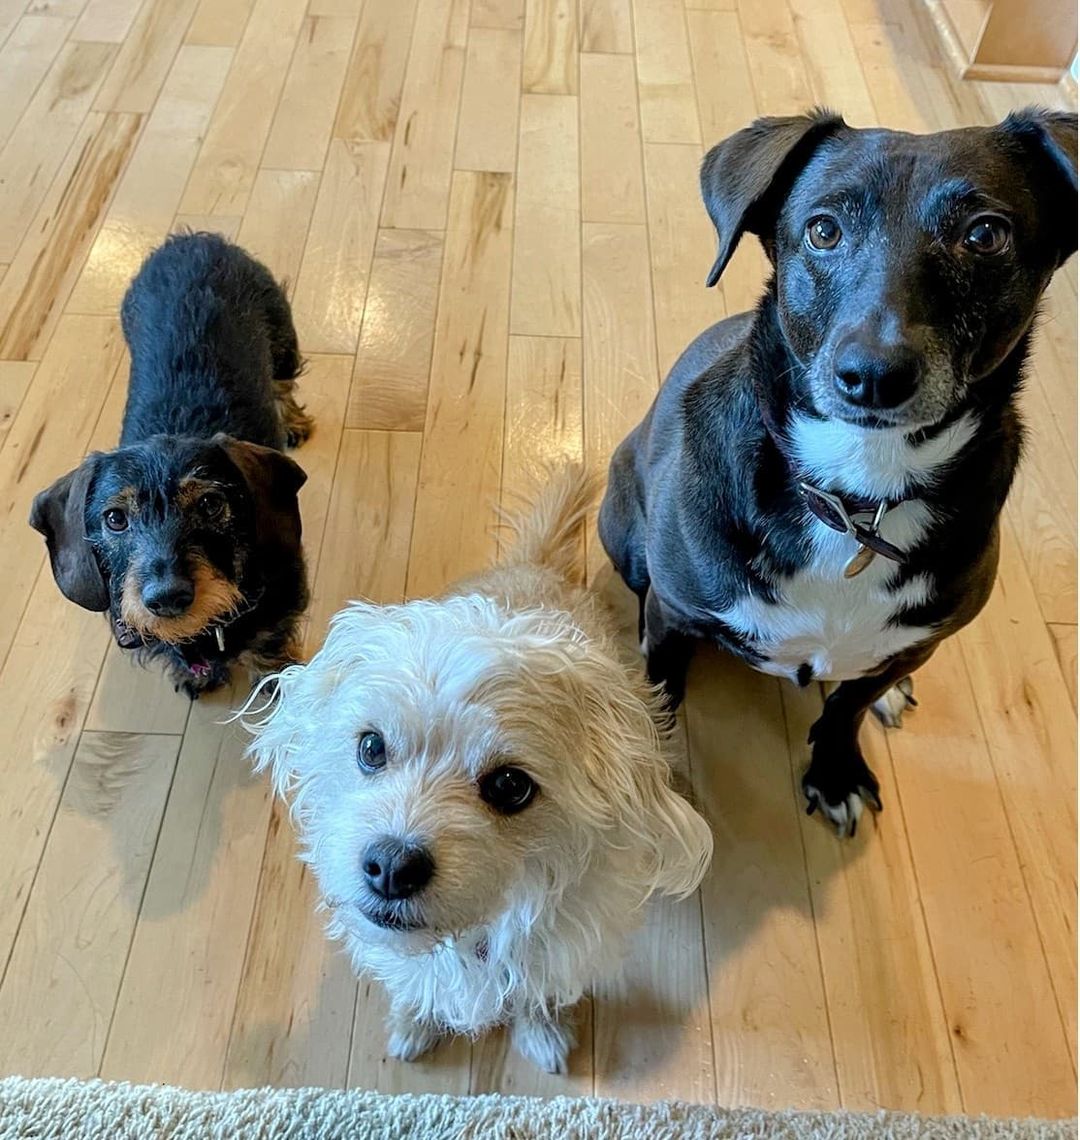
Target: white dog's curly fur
{"x":524,"y":911}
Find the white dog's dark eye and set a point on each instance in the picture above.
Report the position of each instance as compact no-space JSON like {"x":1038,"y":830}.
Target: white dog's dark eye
{"x":508,"y":790}
{"x":371,"y":752}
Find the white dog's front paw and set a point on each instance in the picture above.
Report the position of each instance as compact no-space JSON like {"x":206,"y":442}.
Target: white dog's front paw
{"x":410,"y":1039}
{"x":890,"y":707}
{"x":546,"y":1043}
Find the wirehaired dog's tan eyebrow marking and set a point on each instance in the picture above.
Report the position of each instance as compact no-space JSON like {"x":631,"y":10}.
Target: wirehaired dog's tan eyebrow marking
{"x":126,"y":499}
{"x":192,"y":488}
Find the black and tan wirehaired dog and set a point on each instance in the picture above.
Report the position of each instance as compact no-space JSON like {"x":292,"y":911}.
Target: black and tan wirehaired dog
{"x":189,"y":532}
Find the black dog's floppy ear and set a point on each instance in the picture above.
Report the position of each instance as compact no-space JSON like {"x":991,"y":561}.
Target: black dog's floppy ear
{"x":1051,"y":135}
{"x":739,"y":173}
{"x":273,"y":480}
{"x":59,"y":513}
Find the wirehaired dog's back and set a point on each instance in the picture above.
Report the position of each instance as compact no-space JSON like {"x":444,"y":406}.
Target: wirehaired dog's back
{"x":189,"y":532}
{"x":481,"y":788}
{"x":199,"y":310}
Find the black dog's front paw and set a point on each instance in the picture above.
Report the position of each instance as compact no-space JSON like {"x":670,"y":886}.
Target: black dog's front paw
{"x":839,"y":782}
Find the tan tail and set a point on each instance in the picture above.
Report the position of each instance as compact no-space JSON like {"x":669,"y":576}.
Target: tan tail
{"x":547,"y":531}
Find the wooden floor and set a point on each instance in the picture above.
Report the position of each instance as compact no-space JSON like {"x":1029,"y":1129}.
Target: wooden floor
{"x":489,"y":220}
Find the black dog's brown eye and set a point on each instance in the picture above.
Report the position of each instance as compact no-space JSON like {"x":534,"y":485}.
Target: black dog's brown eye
{"x":212,"y":504}
{"x":116,"y":519}
{"x":823,"y":233}
{"x":987,"y":235}
{"x":508,"y":790}
{"x":371,"y":752}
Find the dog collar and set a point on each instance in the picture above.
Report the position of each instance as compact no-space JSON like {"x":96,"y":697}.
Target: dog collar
{"x":850,"y":518}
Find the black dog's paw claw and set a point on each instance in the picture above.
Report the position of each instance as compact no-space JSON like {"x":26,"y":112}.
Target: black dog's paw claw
{"x":840,"y":784}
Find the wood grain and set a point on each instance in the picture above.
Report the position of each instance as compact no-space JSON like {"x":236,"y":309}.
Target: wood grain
{"x":612,"y":189}
{"x":545,"y":296}
{"x":390,"y":383}
{"x":461,"y":466}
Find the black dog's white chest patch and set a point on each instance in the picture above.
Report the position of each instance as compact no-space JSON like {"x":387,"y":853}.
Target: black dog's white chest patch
{"x":825,"y":625}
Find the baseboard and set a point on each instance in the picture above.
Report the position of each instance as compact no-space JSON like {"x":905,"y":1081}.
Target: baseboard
{"x":957,"y":54}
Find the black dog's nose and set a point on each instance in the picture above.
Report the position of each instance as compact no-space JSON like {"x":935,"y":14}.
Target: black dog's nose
{"x":168,"y":596}
{"x":395,"y":870}
{"x":872,"y":374}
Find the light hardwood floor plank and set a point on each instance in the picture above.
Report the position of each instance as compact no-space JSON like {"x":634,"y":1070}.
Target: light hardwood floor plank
{"x":890,"y":1037}
{"x":1021,"y":697}
{"x":612,"y":186}
{"x":665,"y":73}
{"x":371,"y":95}
{"x":15,"y":379}
{"x":1065,"y":646}
{"x":831,"y":61}
{"x":545,"y":297}
{"x":66,"y":967}
{"x":488,"y":122}
{"x":25,"y":60}
{"x":1008,"y":1040}
{"x":196,"y":911}
{"x":225,"y":170}
{"x":544,"y":397}
{"x":509,"y":14}
{"x":461,"y":466}
{"x":770,"y":1027}
{"x":47,"y":264}
{"x":106,"y":21}
{"x":551,"y":45}
{"x":607,"y":26}
{"x":145,"y":56}
{"x":147,"y":196}
{"x":393,"y":361}
{"x":328,"y":301}
{"x":680,"y":239}
{"x":46,"y":132}
{"x":619,"y":344}
{"x":421,"y":162}
{"x":305,"y":116}
{"x":219,"y":23}
{"x":777,"y":71}
{"x":275,"y":225}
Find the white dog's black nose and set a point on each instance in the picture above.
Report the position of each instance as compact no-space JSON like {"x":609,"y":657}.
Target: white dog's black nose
{"x":874,"y":374}
{"x":396,"y":870}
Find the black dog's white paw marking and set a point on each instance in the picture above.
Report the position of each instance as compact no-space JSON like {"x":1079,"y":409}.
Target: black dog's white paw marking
{"x":891,"y":706}
{"x":845,"y":815}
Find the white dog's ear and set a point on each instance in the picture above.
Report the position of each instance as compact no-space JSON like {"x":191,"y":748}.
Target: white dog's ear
{"x":626,"y":763}
{"x":275,"y":715}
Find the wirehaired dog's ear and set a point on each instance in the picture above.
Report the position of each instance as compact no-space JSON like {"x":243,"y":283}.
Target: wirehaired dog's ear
{"x":59,"y":513}
{"x":273,"y":480}
{"x":1050,"y":137}
{"x":742,"y":178}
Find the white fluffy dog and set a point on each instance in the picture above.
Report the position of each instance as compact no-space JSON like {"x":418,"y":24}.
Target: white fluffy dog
{"x":480,"y":788}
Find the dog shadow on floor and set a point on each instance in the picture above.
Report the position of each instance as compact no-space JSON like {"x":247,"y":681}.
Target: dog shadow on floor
{"x":739,"y":749}
{"x":174,"y":793}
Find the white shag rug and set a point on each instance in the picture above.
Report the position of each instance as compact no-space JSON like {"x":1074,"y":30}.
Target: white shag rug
{"x":96,"y":1110}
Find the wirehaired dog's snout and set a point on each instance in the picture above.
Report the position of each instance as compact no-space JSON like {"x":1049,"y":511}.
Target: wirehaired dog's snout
{"x":872,"y":373}
{"x":396,"y":870}
{"x":168,"y":594}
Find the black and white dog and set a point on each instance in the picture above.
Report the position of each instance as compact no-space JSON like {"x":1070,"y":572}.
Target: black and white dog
{"x":817,"y":485}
